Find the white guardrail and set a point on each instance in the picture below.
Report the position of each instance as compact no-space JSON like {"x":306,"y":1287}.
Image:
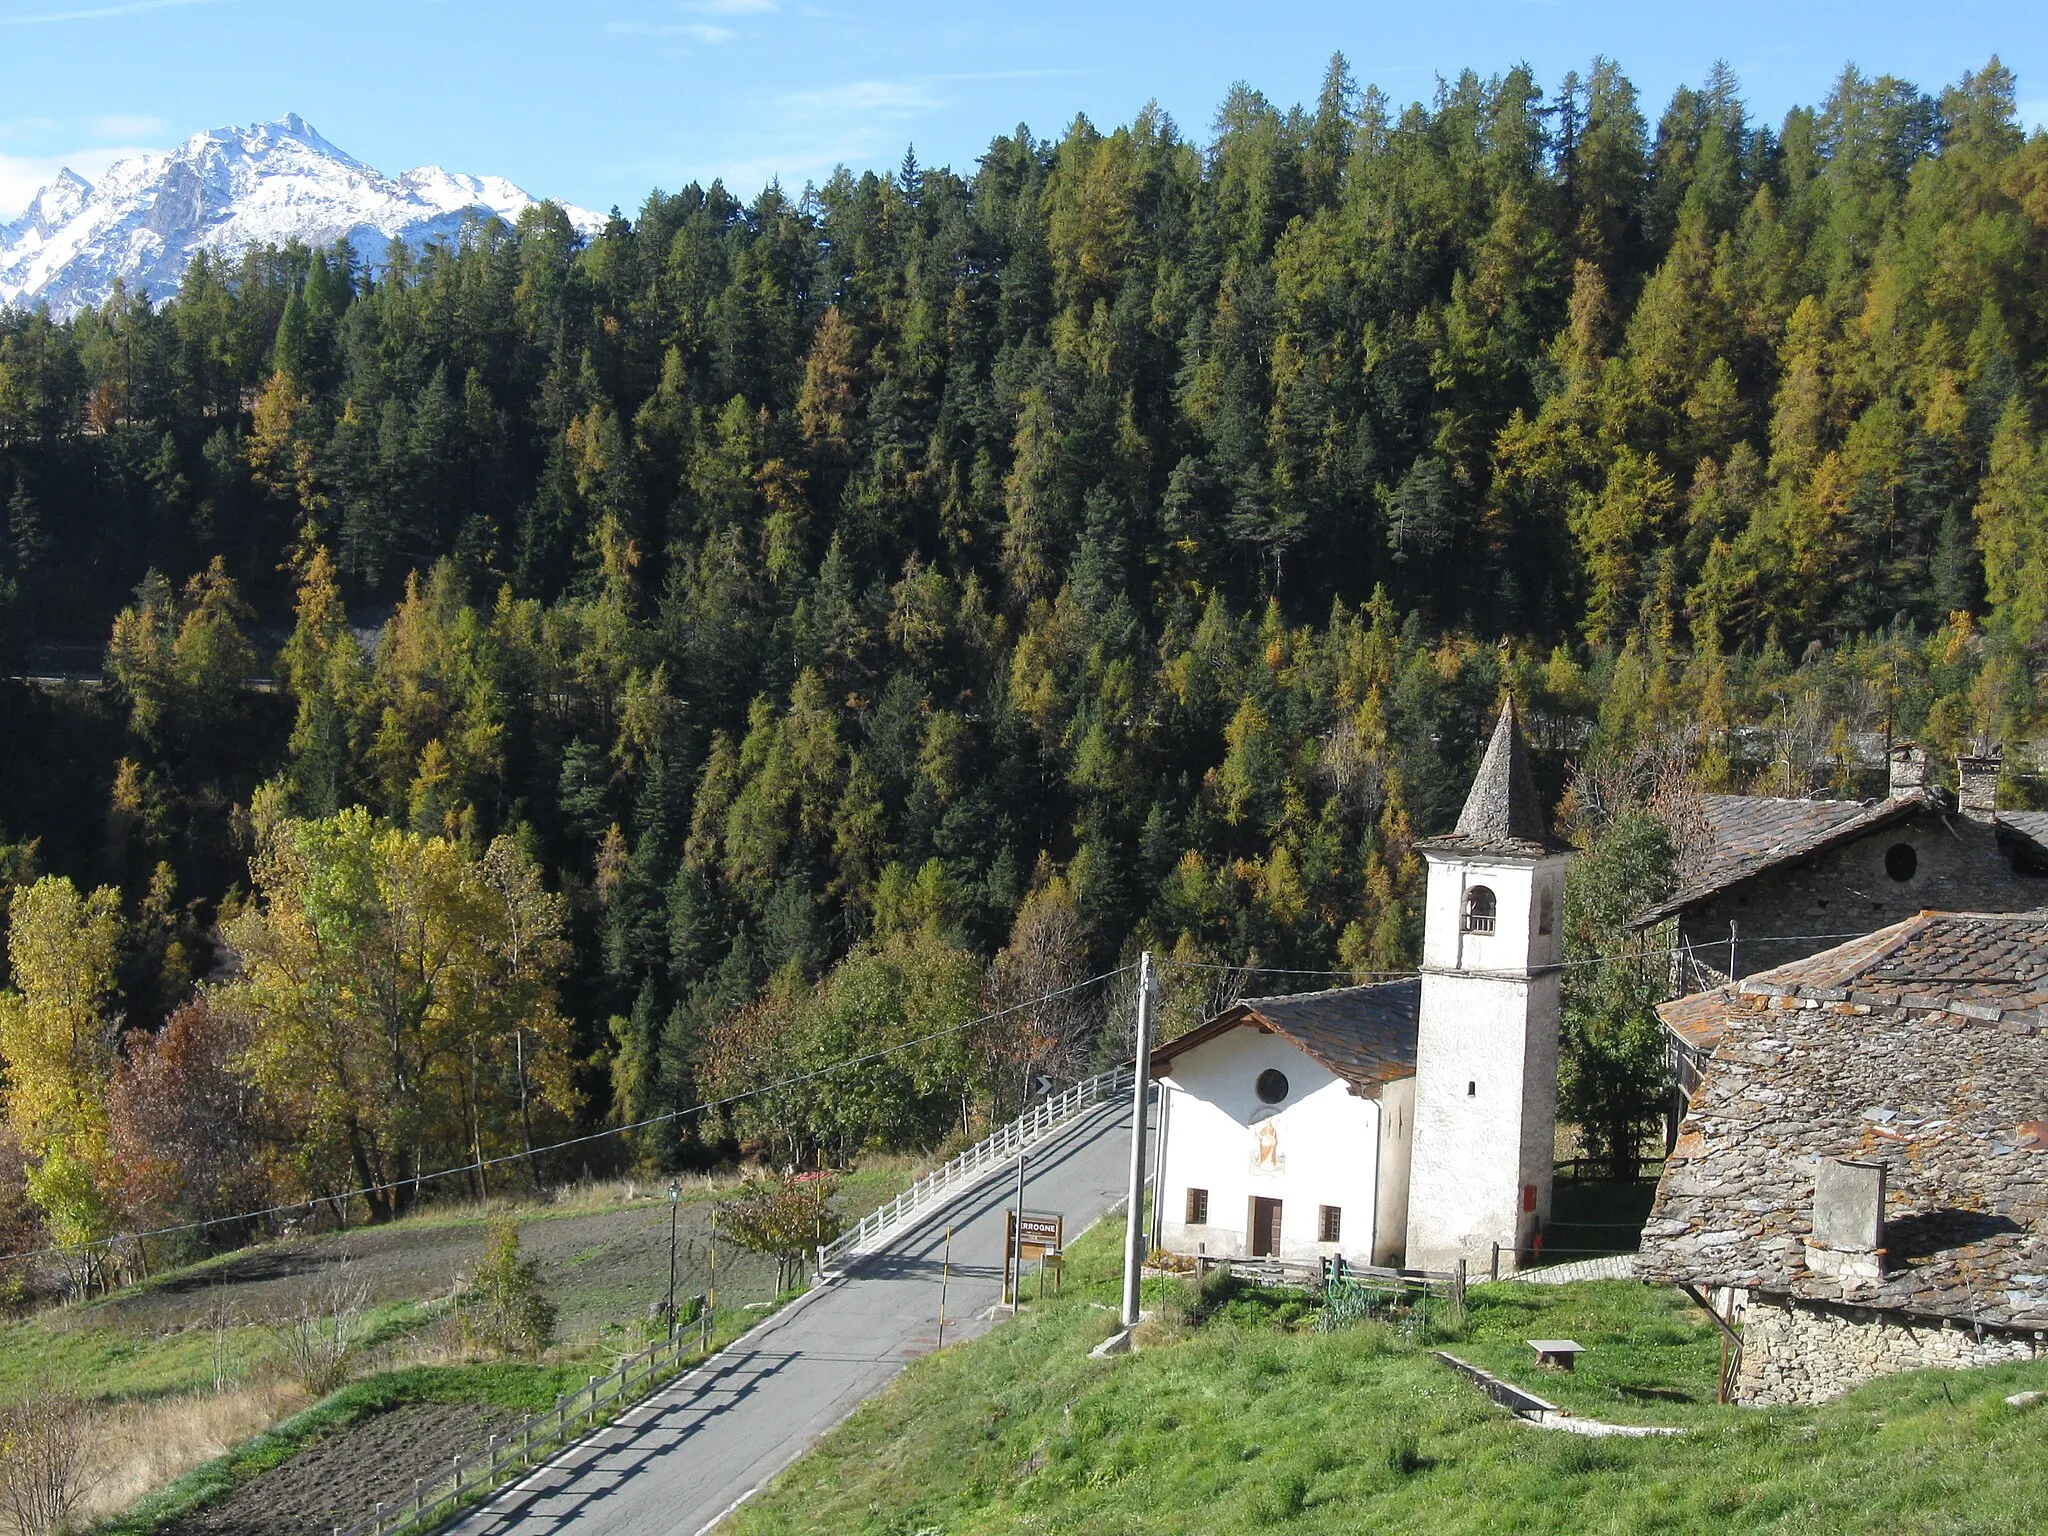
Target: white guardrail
{"x":976,"y":1163}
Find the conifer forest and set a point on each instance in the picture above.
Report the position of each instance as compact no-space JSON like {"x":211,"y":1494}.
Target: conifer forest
{"x":462,"y":699}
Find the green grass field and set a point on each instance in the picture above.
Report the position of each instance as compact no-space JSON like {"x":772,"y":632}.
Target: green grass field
{"x":1251,"y":1417}
{"x":603,"y":1260}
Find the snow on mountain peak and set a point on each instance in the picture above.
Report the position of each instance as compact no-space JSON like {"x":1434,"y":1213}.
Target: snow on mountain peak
{"x":52,"y":206}
{"x":226,"y":190}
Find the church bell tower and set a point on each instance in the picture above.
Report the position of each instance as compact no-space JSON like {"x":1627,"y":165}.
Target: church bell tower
{"x":1486,"y":1052}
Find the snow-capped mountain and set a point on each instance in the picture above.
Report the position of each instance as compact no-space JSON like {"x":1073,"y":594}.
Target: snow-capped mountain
{"x":226,"y":191}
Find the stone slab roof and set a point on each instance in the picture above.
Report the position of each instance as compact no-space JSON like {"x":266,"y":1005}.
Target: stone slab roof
{"x":1754,"y":833}
{"x":1983,"y":965}
{"x":1366,"y":1035}
{"x":1924,"y":1046}
{"x":1502,"y":814}
{"x":2028,"y":827}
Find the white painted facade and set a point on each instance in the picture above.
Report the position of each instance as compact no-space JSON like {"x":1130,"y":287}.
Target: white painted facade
{"x":1322,"y":1145}
{"x":1451,"y":1162}
{"x":1486,"y":1060}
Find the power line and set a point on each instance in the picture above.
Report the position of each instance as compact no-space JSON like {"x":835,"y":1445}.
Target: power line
{"x":1628,"y":958}
{"x":480,"y":1164}
{"x":483,"y":1164}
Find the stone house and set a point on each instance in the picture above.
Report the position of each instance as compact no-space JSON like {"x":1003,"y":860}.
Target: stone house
{"x":1781,"y":879}
{"x":1406,"y":1123}
{"x":1863,"y":1166}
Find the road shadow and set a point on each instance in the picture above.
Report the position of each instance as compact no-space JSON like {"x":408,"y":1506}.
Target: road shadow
{"x":611,"y":1461}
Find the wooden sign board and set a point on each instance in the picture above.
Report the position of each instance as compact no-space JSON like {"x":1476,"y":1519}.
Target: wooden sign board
{"x":1039,"y":1234}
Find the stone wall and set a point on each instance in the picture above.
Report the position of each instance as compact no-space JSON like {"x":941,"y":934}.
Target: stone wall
{"x":1959,"y":866}
{"x":1801,"y":1352}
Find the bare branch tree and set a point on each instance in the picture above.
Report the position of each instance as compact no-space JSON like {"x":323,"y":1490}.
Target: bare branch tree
{"x":43,"y":1440}
{"x":319,"y":1333}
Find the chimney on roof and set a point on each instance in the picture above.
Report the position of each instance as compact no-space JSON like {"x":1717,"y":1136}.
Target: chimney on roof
{"x":1848,"y":1220}
{"x":1908,"y":761}
{"x":1977,"y":786}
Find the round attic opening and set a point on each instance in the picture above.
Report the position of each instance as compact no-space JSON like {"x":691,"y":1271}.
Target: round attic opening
{"x":1902,"y":861}
{"x":1271,"y":1086}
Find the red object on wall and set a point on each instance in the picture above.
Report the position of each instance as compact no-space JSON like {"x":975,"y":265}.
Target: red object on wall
{"x":1528,"y":1197}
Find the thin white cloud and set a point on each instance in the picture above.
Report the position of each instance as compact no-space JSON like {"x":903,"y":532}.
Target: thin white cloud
{"x":119,"y":126}
{"x":29,"y":130}
{"x":99,"y":12}
{"x":880,"y":98}
{"x":694,"y":31}
{"x":709,"y":33}
{"x":22,"y":176}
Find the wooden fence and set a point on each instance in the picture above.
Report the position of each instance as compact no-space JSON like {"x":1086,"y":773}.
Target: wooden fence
{"x":470,"y":1477}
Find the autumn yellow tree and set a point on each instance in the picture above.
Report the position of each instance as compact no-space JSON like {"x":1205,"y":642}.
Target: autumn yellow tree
{"x":57,"y":1039}
{"x":401,"y":1003}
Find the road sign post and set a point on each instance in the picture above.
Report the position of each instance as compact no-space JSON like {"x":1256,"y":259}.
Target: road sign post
{"x":1029,"y":1235}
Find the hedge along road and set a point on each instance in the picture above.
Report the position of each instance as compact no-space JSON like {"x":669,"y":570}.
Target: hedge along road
{"x":680,"y":1462}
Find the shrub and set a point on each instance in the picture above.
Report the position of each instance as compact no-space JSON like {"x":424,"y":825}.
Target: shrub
{"x":43,"y":1440}
{"x":319,"y":1334}
{"x":1404,"y":1454}
{"x":506,"y":1307}
{"x":786,"y":1217}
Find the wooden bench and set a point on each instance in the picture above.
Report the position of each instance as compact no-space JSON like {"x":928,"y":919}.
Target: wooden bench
{"x":1557,"y":1354}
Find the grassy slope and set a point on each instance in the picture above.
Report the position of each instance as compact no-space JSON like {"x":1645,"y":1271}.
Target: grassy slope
{"x":1243,"y":1421}
{"x":123,"y":1347}
{"x":604,"y":1259}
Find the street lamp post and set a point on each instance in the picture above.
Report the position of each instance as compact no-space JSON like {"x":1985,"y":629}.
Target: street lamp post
{"x":675,"y":1200}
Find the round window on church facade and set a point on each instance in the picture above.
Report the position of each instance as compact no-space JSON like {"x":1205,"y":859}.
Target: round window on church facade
{"x":1271,"y":1086}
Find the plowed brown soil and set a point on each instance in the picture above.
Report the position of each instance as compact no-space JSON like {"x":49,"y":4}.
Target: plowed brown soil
{"x":340,"y":1478}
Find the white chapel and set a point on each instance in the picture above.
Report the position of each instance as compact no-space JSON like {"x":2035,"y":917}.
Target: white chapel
{"x":1408,"y":1123}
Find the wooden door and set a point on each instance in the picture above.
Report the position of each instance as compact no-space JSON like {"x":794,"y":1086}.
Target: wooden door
{"x":1265,"y":1228}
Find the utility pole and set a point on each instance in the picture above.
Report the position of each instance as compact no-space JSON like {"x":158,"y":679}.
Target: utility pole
{"x":675,"y":1200}
{"x":1141,"y":1078}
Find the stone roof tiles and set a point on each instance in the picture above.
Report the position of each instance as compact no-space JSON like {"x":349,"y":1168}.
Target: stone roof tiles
{"x":2029,"y":829}
{"x":1923,"y":1046}
{"x":1366,"y":1035}
{"x":1754,"y":833}
{"x":1979,"y":965}
{"x":1502,"y":813}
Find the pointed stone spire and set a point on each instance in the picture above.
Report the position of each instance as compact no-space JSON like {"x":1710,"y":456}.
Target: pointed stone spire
{"x":1502,"y":811}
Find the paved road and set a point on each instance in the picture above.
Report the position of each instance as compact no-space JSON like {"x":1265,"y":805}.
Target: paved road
{"x":681,"y":1461}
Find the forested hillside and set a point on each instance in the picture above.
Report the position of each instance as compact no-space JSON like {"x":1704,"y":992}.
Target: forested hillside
{"x":737,"y":631}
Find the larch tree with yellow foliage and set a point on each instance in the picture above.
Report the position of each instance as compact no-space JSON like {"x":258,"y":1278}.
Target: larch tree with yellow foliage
{"x":57,"y":1043}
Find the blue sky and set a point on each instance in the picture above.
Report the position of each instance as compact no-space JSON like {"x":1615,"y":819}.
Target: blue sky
{"x":596,"y":101}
